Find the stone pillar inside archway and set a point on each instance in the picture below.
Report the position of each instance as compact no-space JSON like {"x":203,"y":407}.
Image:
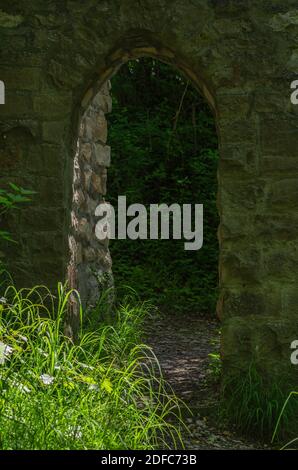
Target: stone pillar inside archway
{"x":89,"y":268}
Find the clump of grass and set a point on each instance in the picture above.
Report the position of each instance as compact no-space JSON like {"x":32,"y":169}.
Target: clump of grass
{"x":101,"y":393}
{"x":252,"y":404}
{"x":287,"y":407}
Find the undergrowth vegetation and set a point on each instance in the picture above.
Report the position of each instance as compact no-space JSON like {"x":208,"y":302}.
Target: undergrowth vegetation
{"x":289,"y":405}
{"x":257,"y":406}
{"x":105,"y":392}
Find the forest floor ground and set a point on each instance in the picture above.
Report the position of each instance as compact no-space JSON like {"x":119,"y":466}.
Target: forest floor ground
{"x":182,"y":345}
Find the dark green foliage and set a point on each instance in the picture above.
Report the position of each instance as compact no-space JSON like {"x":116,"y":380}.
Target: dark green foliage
{"x":288,"y":407}
{"x":164,"y":150}
{"x":10,"y":200}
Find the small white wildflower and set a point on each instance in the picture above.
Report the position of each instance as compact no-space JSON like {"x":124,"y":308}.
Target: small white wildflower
{"x":78,"y":433}
{"x":93,"y":387}
{"x":42,"y":352}
{"x":5,"y":352}
{"x":47,"y":379}
{"x":23,"y":388}
{"x":3,"y":300}
{"x":74,"y":432}
{"x":23,"y":338}
{"x":85,"y":366}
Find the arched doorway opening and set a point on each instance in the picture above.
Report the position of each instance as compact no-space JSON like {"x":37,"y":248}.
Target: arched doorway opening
{"x":164,"y":151}
{"x":167,"y":158}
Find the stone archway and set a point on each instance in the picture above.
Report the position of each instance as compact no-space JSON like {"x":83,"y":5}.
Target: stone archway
{"x":53,"y":56}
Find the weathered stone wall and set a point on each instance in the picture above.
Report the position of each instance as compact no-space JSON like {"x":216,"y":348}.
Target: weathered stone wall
{"x":242,"y":57}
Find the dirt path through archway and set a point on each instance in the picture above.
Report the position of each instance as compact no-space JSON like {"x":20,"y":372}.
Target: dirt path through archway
{"x":182,"y":346}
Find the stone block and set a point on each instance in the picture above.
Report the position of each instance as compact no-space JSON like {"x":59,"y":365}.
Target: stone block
{"x":53,"y":106}
{"x":240,"y":131}
{"x":283,"y":192}
{"x":24,"y":78}
{"x":102,"y":154}
{"x":95,"y":127}
{"x":16,"y":105}
{"x":103,"y":101}
{"x":278,"y":136}
{"x":53,"y":131}
{"x":85,"y":152}
{"x":238,"y":157}
{"x":89,"y":254}
{"x":97,"y":184}
{"x":241,"y":301}
{"x":242,"y":266}
{"x":261,"y":342}
{"x":84,"y":228}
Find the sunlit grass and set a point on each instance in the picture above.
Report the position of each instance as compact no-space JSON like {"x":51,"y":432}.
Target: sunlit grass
{"x":104,"y":392}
